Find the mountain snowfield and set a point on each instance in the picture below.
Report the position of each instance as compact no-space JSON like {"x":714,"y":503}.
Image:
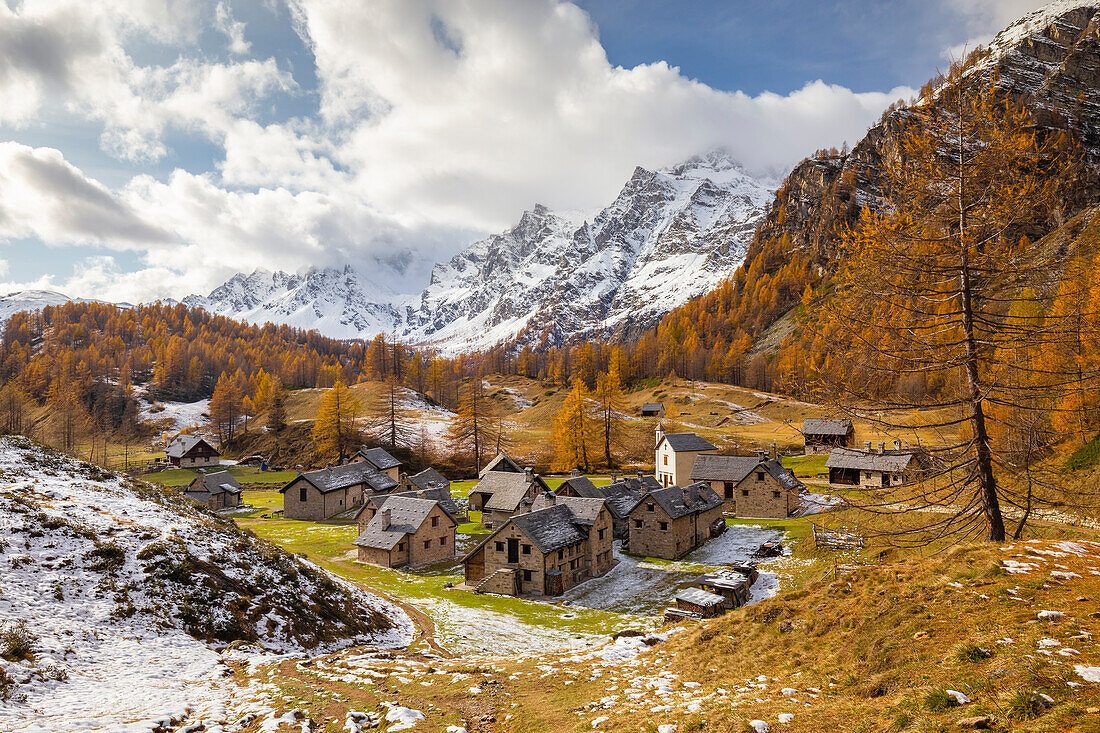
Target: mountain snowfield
{"x":669,"y":235}
{"x":131,"y":594}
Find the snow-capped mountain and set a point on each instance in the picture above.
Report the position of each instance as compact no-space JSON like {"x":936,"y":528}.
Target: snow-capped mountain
{"x":29,"y":300}
{"x":669,"y":235}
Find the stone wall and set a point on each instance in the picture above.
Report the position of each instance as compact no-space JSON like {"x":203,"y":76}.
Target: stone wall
{"x":760,"y":495}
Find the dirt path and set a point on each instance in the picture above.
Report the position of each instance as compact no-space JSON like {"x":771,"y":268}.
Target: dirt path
{"x":425,"y":626}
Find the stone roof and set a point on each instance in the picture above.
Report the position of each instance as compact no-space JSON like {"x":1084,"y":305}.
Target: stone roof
{"x":429,"y":478}
{"x":723,"y":468}
{"x":442,"y":495}
{"x":219,"y":482}
{"x":379,"y":458}
{"x":501,"y":463}
{"x":784,"y":476}
{"x":893,"y":460}
{"x":624,"y":494}
{"x":350,"y":474}
{"x":653,"y":407}
{"x":583,"y":486}
{"x":681,"y":442}
{"x":551,"y":528}
{"x":407,"y":514}
{"x":825,"y":426}
{"x":700,"y":597}
{"x":183,"y":445}
{"x":585,"y":510}
{"x":681,"y":502}
{"x":509,"y":490}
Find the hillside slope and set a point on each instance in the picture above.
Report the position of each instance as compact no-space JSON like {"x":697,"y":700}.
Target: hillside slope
{"x":130,"y":592}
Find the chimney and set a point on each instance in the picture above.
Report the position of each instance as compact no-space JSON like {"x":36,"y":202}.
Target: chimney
{"x":881,"y":447}
{"x":614,"y":477}
{"x":641,"y":476}
{"x":385,"y":518}
{"x":867,"y":446}
{"x":550,"y":498}
{"x":897,"y":445}
{"x":762,"y":455}
{"x":529,"y":473}
{"x":574,"y":473}
{"x":422,"y":494}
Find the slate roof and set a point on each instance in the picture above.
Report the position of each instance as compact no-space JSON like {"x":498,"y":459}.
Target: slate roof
{"x":429,"y":478}
{"x":583,"y":486}
{"x":892,"y":460}
{"x":585,"y":510}
{"x":681,"y":442}
{"x":784,"y":476}
{"x":407,"y":514}
{"x":551,"y":528}
{"x":350,"y":474}
{"x":510,"y":490}
{"x":699,"y":498}
{"x":700,"y":597}
{"x":501,"y":463}
{"x":443,"y":496}
{"x":379,"y":458}
{"x":206,"y":485}
{"x":653,"y":407}
{"x":623,"y":495}
{"x":723,"y":468}
{"x":824,"y":426}
{"x":183,"y":444}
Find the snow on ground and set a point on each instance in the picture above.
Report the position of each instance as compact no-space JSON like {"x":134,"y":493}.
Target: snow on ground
{"x":818,"y":503}
{"x":182,"y":414}
{"x":480,"y":631}
{"x":77,"y":556}
{"x":636,"y":586}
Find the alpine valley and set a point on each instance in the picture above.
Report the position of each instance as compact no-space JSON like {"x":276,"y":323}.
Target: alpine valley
{"x":669,"y":235}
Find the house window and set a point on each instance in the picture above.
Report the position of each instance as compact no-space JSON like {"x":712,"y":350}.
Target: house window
{"x":744,"y":492}
{"x":500,"y":547}
{"x":400,"y":546}
{"x":729,"y":489}
{"x":666,"y":460}
{"x":435,"y":521}
{"x":649,"y":507}
{"x":561,"y":554}
{"x":759,"y":475}
{"x":442,"y":541}
{"x":866,"y":475}
{"x":527,"y":575}
{"x":427,"y":544}
{"x":600,"y":533}
{"x":527,"y":549}
{"x":637,"y":524}
{"x":302,"y":495}
{"x":775,"y":494}
{"x":664,"y":526}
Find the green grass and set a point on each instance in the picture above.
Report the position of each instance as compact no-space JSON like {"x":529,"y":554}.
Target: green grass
{"x":329,"y":545}
{"x":1086,"y":456}
{"x":245,"y":474}
{"x":806,"y":466}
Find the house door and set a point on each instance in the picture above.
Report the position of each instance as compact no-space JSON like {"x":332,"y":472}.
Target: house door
{"x":513,"y":551}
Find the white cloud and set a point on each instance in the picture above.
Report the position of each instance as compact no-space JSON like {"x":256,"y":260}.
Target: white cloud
{"x":232,"y":28}
{"x":984,"y":19}
{"x":435,"y":121}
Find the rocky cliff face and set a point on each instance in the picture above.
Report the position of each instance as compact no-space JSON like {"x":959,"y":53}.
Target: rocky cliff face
{"x":1049,"y":60}
{"x":669,"y":235}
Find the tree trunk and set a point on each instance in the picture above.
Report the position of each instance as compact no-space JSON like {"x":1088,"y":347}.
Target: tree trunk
{"x":987,"y":484}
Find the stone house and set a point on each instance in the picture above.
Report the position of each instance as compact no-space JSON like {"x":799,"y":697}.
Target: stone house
{"x":751,"y":486}
{"x":544,"y":552}
{"x":672,"y":521}
{"x":373,"y":502}
{"x":876,"y":469}
{"x":512,"y":493}
{"x":380,"y":460}
{"x":675,"y":454}
{"x":318,"y":495}
{"x":621,"y":495}
{"x":218,"y":490}
{"x":653,"y":409}
{"x":823,"y":434}
{"x":192,"y":451}
{"x":501,"y":463}
{"x":406,"y":530}
{"x":699,"y":603}
{"x":433,"y":485}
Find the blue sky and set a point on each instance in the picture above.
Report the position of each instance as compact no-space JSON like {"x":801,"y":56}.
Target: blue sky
{"x":153,"y":149}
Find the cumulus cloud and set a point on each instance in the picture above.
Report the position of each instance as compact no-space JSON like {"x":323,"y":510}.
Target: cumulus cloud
{"x":433,"y":122}
{"x":46,"y":197}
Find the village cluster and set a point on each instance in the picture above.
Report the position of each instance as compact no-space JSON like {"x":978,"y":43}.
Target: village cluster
{"x":543,"y":542}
